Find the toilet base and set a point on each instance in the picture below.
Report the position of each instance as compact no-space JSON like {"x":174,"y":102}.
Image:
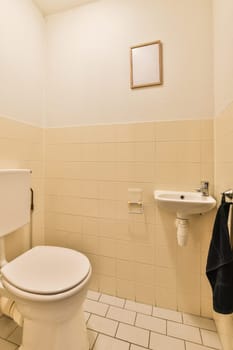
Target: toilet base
{"x":52,"y":321}
{"x":67,"y":335}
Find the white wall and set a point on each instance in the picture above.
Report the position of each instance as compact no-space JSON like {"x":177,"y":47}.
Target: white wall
{"x":22,"y":53}
{"x":88,"y":62}
{"x":223,"y":54}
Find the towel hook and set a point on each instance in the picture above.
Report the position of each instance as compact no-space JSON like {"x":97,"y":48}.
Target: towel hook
{"x":228,"y":194}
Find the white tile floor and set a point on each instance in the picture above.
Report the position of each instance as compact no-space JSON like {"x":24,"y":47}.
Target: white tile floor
{"x":117,"y":324}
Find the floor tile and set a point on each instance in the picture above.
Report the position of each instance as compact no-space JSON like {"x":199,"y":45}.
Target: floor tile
{"x":95,"y":307}
{"x":138,"y":307}
{"x":182,"y":331}
{"x":102,"y":325}
{"x":115,"y":301}
{"x":162,"y":342}
{"x":167,"y":314}
{"x":7,"y":326}
{"x":192,"y":346}
{"x":107,"y":343}
{"x":133,"y":334}
{"x":122,"y":315}
{"x":5,"y":345}
{"x":92,"y":337}
{"x":129,"y":325}
{"x":93,"y":295}
{"x":210,"y":339}
{"x":136,"y":347}
{"x":16,"y":336}
{"x":151,"y":323}
{"x":200,"y":322}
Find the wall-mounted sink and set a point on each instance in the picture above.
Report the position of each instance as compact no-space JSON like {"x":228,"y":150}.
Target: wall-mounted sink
{"x":184,"y":203}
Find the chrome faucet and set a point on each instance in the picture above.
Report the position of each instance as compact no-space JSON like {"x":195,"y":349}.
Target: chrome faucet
{"x":204,"y":189}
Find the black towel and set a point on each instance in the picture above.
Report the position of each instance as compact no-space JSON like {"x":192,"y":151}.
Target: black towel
{"x":219,"y":268}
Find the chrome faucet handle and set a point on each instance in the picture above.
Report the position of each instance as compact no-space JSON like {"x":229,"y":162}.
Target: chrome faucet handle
{"x":197,"y":189}
{"x":204,"y":188}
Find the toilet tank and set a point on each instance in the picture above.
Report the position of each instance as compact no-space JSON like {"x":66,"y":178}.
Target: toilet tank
{"x":15,"y":198}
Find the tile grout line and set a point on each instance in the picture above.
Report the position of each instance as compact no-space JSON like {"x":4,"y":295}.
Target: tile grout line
{"x":118,"y":325}
{"x":117,"y":320}
{"x":93,"y":313}
{"x":11,"y":333}
{"x":136,"y":344}
{"x":124,"y":303}
{"x":149,"y":338}
{"x":104,"y":303}
{"x":107,"y":335}
{"x":113,"y":337}
{"x":134,"y":325}
{"x":201,"y":336}
{"x":146,"y":329}
{"x":185,"y":341}
{"x":105,"y":316}
{"x":92,"y":348}
{"x":165,"y":319}
{"x":9,"y":341}
{"x":205,"y":346}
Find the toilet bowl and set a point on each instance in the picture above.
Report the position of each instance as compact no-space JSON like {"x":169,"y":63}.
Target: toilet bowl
{"x":49,"y":285}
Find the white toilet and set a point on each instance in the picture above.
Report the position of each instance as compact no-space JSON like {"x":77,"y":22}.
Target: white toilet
{"x":48,"y":284}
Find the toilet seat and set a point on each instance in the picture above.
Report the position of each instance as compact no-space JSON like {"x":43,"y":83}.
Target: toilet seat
{"x":47,"y":271}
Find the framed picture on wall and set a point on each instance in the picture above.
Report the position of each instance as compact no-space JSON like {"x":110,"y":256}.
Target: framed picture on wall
{"x":146,"y":65}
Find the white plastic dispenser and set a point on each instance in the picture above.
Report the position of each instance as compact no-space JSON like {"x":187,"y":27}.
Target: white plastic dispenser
{"x":14,"y":199}
{"x":135,"y":201}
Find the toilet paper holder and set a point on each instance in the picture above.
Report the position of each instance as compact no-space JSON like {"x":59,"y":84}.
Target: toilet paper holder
{"x":135,"y":202}
{"x":135,"y":207}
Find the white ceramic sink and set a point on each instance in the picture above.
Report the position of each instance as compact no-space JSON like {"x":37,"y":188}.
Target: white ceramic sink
{"x":184,"y":203}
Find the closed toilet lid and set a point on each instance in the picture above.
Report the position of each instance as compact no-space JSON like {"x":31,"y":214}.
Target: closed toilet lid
{"x":47,"y":270}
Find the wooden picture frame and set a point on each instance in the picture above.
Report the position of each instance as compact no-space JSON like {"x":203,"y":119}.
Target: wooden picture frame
{"x":146,"y":65}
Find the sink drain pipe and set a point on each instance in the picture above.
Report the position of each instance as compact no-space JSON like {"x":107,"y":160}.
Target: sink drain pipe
{"x":182,"y":225}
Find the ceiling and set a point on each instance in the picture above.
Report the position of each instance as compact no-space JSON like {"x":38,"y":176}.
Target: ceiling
{"x":52,"y":6}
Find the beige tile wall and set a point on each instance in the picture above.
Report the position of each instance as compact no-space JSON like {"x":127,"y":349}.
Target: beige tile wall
{"x":21,"y":147}
{"x":224,"y":147}
{"x":88,"y":171}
